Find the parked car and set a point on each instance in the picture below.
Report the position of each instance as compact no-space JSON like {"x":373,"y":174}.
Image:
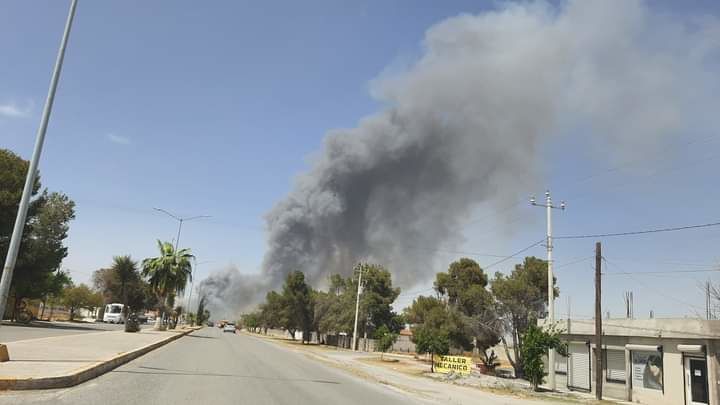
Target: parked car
{"x":229,"y":327}
{"x":210,"y":324}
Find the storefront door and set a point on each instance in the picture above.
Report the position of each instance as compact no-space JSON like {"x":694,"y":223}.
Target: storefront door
{"x":696,"y":381}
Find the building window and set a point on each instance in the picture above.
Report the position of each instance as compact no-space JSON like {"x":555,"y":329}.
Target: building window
{"x":615,"y":364}
{"x":647,"y":370}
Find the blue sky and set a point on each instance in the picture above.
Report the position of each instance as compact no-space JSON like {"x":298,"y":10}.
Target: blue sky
{"x":213,"y":110}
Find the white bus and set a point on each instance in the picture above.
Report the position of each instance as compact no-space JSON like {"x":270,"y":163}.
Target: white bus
{"x":114,"y":313}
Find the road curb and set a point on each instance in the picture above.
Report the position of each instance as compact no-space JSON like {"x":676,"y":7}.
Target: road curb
{"x":85,"y":374}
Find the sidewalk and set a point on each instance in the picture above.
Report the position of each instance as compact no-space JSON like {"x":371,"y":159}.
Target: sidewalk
{"x":63,"y":361}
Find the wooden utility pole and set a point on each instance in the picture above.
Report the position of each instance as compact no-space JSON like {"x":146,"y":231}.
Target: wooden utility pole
{"x":598,"y":323}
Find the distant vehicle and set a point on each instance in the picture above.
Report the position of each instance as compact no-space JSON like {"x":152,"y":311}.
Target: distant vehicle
{"x":210,"y":324}
{"x":114,"y":313}
{"x":229,"y":327}
{"x":221,"y":324}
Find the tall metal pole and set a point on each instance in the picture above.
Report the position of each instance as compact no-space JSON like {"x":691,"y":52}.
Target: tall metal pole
{"x":177,"y":240}
{"x":551,"y":278}
{"x":551,"y":289}
{"x":14,"y":247}
{"x":357,"y":308}
{"x":598,"y":323}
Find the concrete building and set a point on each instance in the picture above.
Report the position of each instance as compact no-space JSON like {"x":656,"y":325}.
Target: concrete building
{"x":648,"y":361}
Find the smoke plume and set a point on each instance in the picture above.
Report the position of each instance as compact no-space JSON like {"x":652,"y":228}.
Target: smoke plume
{"x":466,"y":123}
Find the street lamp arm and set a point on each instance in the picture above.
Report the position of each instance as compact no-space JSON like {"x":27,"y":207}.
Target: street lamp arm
{"x":167,"y":213}
{"x":195,"y":217}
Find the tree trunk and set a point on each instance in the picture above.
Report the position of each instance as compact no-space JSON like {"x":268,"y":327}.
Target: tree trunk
{"x":518,"y":363}
{"x":44,"y":303}
{"x":432,"y":362}
{"x":158,"y":319}
{"x":507,"y":352}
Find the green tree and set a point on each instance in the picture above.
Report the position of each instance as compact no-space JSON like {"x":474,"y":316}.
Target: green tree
{"x":272,"y":312}
{"x":297,"y":305}
{"x":42,"y":248}
{"x":167,"y":274}
{"x":376,"y":300}
{"x":13,"y":170}
{"x":137,"y":292}
{"x":251,"y":321}
{"x":522,"y":299}
{"x":335,"y":310}
{"x":432,"y":327}
{"x":126,"y":272}
{"x":386,"y":338}
{"x":432,"y":340}
{"x":537,"y":342}
{"x":59,"y":281}
{"x":80,"y":296}
{"x":474,"y":321}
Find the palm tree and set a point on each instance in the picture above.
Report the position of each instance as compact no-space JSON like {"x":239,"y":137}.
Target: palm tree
{"x":125,"y":270}
{"x":167,"y":274}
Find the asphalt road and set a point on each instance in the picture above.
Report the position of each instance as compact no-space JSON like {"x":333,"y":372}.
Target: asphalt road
{"x":212,"y":367}
{"x":10,"y":332}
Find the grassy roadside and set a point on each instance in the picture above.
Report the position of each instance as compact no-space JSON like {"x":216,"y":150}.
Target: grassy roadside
{"x":415,"y":368}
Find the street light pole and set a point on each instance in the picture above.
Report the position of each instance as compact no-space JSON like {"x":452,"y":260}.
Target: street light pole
{"x":180,"y":220}
{"x":357,"y":308}
{"x":16,"y":238}
{"x":551,"y":287}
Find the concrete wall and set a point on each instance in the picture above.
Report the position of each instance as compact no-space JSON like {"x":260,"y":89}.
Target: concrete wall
{"x":403,"y":345}
{"x":673,"y":391}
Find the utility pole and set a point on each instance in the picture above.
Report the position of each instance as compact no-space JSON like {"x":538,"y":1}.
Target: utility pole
{"x":551,"y":284}
{"x":357,"y":307}
{"x":629,"y":312}
{"x":598,"y":322}
{"x":708,"y":312}
{"x":16,"y":238}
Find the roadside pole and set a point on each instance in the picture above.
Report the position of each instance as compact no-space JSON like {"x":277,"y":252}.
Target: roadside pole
{"x":16,"y":238}
{"x":598,"y":322}
{"x":357,"y":308}
{"x":551,"y":278}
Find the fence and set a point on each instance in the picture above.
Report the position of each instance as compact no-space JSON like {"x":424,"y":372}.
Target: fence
{"x":403,"y":344}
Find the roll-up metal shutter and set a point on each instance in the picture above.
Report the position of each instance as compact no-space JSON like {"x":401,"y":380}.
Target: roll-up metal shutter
{"x":616,"y":366}
{"x":579,"y":364}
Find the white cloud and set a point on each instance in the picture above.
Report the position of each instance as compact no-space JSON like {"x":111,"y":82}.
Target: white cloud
{"x":118,"y":139}
{"x":11,"y":110}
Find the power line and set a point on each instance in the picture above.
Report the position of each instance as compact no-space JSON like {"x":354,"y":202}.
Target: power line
{"x":515,"y":254}
{"x":606,"y":235}
{"x":661,"y":272}
{"x":573,"y":262}
{"x":660,"y":292}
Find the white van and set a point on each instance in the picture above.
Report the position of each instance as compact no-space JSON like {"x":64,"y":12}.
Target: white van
{"x":114,"y":313}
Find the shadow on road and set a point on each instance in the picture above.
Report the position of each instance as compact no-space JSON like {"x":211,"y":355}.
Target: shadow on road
{"x":165,"y":371}
{"x":51,"y":325}
{"x":200,"y":337}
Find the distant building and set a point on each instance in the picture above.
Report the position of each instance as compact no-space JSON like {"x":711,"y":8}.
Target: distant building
{"x":649,"y":361}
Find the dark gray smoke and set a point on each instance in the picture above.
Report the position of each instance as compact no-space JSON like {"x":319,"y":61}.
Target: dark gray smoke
{"x":464,"y":125}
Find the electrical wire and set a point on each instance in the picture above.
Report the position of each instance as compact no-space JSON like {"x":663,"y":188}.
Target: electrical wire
{"x":629,"y":233}
{"x":661,"y":272}
{"x":514,"y":254}
{"x":660,"y":292}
